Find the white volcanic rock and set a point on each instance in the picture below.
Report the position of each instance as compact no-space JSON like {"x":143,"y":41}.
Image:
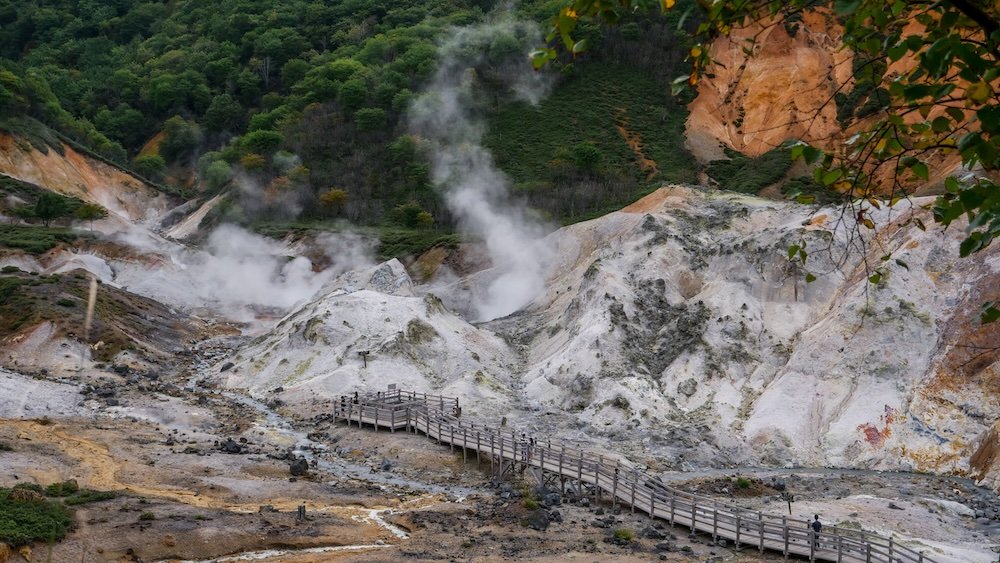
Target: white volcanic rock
{"x":680,"y":315}
{"x":411,"y":340}
{"x":678,"y":329}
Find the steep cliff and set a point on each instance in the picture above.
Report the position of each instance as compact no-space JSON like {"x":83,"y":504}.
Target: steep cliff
{"x":74,"y":174}
{"x":783,"y":89}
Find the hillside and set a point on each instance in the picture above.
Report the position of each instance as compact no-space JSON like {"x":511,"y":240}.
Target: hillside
{"x":279,"y":112}
{"x":679,"y":315}
{"x":217,"y":220}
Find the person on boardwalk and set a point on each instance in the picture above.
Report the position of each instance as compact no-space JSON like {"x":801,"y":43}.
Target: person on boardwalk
{"x":816,"y":526}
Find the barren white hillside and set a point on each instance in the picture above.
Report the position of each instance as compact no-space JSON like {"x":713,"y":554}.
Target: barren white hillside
{"x":679,"y":325}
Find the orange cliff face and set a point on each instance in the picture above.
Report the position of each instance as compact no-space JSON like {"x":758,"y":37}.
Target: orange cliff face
{"x":77,"y":175}
{"x":783,"y":90}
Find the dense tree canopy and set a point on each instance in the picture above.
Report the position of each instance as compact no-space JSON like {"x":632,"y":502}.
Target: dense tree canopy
{"x":225,"y":88}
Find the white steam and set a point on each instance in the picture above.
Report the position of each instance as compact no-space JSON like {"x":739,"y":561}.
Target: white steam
{"x":475,"y":190}
{"x":237,"y":272}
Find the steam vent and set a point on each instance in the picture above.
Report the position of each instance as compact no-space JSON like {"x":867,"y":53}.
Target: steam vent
{"x":302,"y":281}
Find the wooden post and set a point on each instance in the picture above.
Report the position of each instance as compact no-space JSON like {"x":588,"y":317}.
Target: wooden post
{"x":614,"y":488}
{"x":635,"y":480}
{"x":672,"y":499}
{"x":392,"y":421}
{"x":478,"y":449}
{"x":694,"y":517}
{"x":868,"y":552}
{"x":784,"y":526}
{"x":562,"y":450}
{"x":465,"y":447}
{"x":597,"y":482}
{"x":840,"y":548}
{"x":890,"y":548}
{"x":760,"y":523}
{"x":737,"y":531}
{"x":715,"y":521}
{"x":376,"y":419}
{"x":452,"y":439}
{"x":652,"y":503}
{"x":350,"y":408}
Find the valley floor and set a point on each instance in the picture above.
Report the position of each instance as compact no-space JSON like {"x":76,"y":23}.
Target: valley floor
{"x":379,"y":496}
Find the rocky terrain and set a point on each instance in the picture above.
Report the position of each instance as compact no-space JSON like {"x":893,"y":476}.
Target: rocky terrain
{"x":680,"y":314}
{"x":193,"y":408}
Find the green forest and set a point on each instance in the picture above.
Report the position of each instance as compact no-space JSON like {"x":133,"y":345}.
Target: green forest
{"x":306,"y":102}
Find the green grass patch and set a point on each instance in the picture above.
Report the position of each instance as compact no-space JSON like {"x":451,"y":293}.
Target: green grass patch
{"x":36,"y":240}
{"x":748,"y":175}
{"x":624,"y":534}
{"x":396,"y":242}
{"x":87,"y":496}
{"x":393,"y":241}
{"x":25,"y":517}
{"x":34,"y":132}
{"x":62,"y":489}
{"x":588,"y":107}
{"x":807,"y":186}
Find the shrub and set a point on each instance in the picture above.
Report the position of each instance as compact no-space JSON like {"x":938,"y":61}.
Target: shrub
{"x":180,"y":137}
{"x":149,"y":166}
{"x":262,"y":141}
{"x":62,"y":489}
{"x":749,"y":175}
{"x":218,"y":174}
{"x":25,"y":519}
{"x":87,"y":496}
{"x":624,"y":534}
{"x":252,"y":161}
{"x":147,"y":516}
{"x":333,"y":199}
{"x":743,"y":483}
{"x":408,"y":214}
{"x":530,"y":503}
{"x":586,"y":156}
{"x":66,"y":303}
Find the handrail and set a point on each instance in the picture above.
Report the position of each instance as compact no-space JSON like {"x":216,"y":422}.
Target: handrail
{"x":435,"y":416}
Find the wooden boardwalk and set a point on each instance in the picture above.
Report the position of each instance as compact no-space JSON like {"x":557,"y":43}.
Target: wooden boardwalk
{"x":437,"y":418}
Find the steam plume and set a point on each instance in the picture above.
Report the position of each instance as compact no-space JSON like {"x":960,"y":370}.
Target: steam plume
{"x":475,"y":190}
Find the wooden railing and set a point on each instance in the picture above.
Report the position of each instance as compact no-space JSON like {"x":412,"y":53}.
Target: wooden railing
{"x":625,"y":483}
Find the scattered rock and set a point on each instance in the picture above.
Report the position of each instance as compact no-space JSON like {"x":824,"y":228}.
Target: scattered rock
{"x":298,"y":467}
{"x":652,"y":533}
{"x":540,"y":521}
{"x":231,"y":447}
{"x":688,"y":387}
